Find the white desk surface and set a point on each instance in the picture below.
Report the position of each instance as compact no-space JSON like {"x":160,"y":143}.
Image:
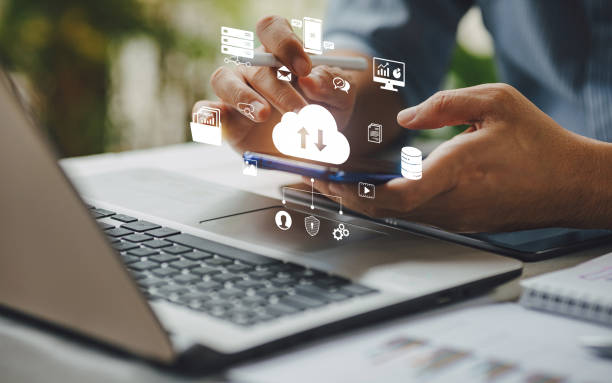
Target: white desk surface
{"x":30,"y":354}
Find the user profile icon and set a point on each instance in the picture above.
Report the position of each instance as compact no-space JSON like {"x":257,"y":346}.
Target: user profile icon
{"x":283,"y":220}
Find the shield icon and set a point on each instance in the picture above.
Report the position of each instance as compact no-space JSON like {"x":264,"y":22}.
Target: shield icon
{"x":312,"y":225}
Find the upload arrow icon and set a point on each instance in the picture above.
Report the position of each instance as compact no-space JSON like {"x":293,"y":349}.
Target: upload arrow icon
{"x":367,"y":190}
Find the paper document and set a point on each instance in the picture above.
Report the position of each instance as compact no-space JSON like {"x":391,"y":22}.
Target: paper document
{"x":493,"y":343}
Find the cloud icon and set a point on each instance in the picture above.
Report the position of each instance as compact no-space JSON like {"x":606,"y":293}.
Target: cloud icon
{"x":312,"y":134}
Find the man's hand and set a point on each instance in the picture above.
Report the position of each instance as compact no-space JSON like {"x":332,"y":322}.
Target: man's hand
{"x":513,"y":168}
{"x":272,"y":97}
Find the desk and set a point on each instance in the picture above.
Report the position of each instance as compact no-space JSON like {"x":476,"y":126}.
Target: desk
{"x":29,"y":354}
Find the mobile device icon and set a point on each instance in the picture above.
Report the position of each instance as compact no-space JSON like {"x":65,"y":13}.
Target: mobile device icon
{"x":313,"y":35}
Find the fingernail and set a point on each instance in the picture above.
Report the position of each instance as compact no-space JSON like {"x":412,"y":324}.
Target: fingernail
{"x":300,"y":66}
{"x":406,"y":116}
{"x":257,"y":108}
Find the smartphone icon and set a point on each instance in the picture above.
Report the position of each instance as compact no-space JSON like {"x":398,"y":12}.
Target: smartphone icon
{"x":313,"y":35}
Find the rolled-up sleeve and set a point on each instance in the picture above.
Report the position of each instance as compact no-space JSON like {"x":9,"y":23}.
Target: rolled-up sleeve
{"x":420,"y":33}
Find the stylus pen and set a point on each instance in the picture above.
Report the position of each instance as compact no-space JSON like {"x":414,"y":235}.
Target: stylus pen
{"x":344,"y":62}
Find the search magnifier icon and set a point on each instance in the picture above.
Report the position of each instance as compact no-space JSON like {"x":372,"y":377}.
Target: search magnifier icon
{"x":342,"y":84}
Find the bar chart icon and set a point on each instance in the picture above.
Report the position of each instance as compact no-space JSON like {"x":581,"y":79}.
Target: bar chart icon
{"x":206,"y":126}
{"x":237,"y":42}
{"x":382,"y":70}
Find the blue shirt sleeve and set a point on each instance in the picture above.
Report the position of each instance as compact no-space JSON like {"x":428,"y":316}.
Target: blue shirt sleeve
{"x":420,"y":33}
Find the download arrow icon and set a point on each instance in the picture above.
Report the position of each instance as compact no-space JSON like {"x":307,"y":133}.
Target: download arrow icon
{"x":320,"y":145}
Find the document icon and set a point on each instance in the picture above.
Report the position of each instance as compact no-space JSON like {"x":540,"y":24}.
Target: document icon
{"x":283,"y":73}
{"x":375,"y":133}
{"x":206,"y":126}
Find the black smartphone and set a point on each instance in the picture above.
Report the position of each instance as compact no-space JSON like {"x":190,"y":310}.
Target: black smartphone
{"x":354,"y":170}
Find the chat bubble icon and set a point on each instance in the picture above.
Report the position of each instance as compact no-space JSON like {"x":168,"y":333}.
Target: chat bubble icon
{"x":340,"y":83}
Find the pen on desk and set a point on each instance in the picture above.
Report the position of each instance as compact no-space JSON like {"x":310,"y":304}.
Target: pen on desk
{"x":601,"y":345}
{"x":344,"y":62}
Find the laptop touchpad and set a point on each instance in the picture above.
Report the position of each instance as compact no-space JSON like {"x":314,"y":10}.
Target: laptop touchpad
{"x":288,"y":230}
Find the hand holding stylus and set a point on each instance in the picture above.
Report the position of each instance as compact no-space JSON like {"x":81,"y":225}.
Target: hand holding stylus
{"x":268,"y":97}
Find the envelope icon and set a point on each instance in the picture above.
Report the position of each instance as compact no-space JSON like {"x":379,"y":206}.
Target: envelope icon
{"x":283,"y":74}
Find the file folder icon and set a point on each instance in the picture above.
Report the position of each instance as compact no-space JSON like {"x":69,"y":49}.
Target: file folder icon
{"x":206,"y":126}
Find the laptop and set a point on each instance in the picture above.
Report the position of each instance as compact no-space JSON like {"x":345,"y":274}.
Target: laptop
{"x":195,"y":275}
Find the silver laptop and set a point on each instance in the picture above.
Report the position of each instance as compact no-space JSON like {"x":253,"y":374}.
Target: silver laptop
{"x":190,"y":273}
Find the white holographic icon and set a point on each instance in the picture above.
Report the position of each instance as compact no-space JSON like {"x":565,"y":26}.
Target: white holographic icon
{"x":312,"y":134}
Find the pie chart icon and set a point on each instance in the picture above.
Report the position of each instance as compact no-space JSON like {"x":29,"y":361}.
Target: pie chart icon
{"x":397,"y":73}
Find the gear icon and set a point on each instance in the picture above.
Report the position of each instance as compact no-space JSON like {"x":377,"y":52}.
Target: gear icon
{"x":340,"y":232}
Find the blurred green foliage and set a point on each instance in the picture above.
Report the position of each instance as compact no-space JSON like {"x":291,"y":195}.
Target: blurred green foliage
{"x":63,"y":47}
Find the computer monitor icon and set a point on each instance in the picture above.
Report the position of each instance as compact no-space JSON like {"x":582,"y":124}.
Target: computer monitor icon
{"x":388,"y":72}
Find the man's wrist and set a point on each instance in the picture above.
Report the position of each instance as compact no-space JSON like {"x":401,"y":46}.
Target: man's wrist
{"x":588,"y":186}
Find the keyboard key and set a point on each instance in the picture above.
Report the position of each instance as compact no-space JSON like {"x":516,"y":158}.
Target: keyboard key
{"x":142,"y":252}
{"x":216,"y":304}
{"x":127,"y":259}
{"x":176,"y":249}
{"x":254,"y":301}
{"x":194,"y":296}
{"x":261,"y":274}
{"x":184,"y":264}
{"x":101,"y":213}
{"x":138,"y":237}
{"x":123,"y":246}
{"x":208,"y":286}
{"x":356,"y":289}
{"x":230,"y":293}
{"x":321,"y":294}
{"x":249,"y":284}
{"x":239,"y":268}
{"x":186,"y":279}
{"x":157,"y":244}
{"x":140,"y":226}
{"x":205,"y":271}
{"x":301,"y":302}
{"x":113,"y":240}
{"x":118,"y":232}
{"x":105,"y":226}
{"x":197,"y":255}
{"x":226,"y":277}
{"x":163,"y":232}
{"x":164,"y":258}
{"x":164,"y":271}
{"x":288,"y":268}
{"x":143,"y":265}
{"x":152,"y":282}
{"x":269,"y":291}
{"x":205,"y":245}
{"x":331,"y":281}
{"x":173,"y":289}
{"x":124,"y":218}
{"x":279,"y":309}
{"x":218,"y":261}
{"x":283,"y":281}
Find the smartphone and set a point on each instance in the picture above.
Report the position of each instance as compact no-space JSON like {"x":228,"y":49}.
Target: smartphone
{"x":313,"y":35}
{"x":354,"y":170}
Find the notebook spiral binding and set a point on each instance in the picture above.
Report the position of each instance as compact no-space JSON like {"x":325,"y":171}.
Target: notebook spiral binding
{"x":582,"y":306}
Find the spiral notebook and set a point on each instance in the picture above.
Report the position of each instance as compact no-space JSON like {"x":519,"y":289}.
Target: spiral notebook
{"x":583,"y":291}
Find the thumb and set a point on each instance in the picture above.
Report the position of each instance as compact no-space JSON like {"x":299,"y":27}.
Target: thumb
{"x":450,"y":107}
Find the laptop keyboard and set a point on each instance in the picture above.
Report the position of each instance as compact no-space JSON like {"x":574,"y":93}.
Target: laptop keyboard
{"x":239,"y":287}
